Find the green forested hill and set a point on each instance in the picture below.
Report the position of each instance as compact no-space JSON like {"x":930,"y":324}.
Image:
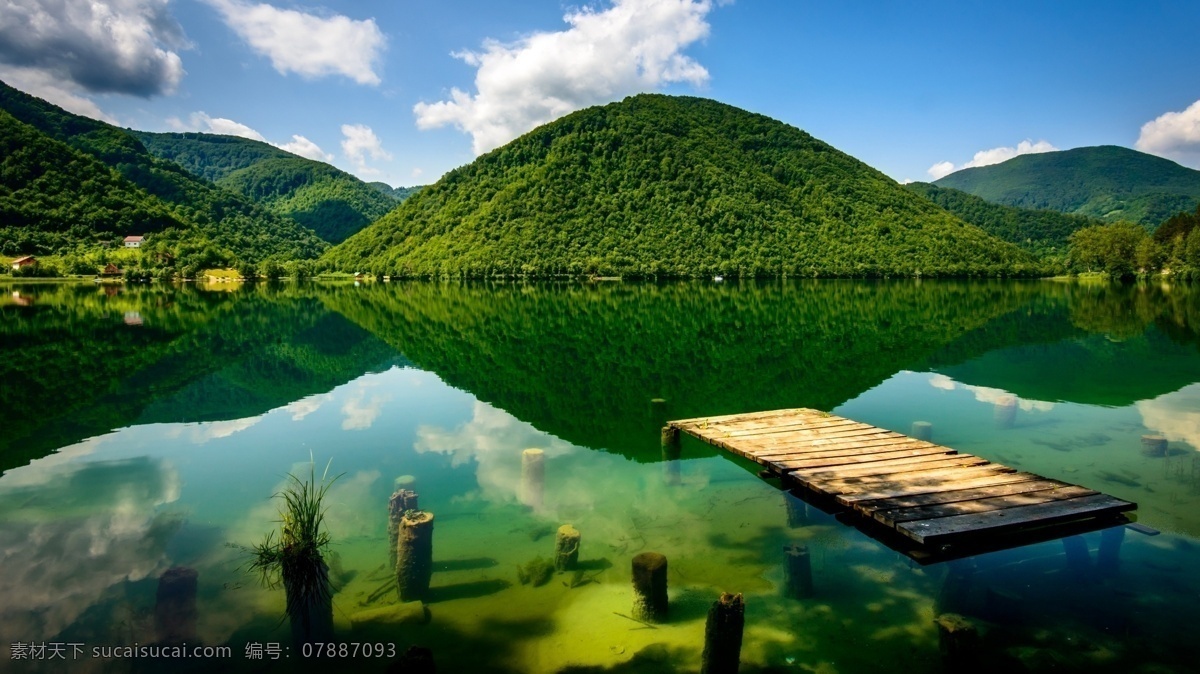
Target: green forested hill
{"x":329,"y":201}
{"x":53,"y":196}
{"x":1041,"y":232}
{"x":670,"y":186}
{"x":397,"y":193}
{"x":198,"y":213}
{"x":1107,"y":182}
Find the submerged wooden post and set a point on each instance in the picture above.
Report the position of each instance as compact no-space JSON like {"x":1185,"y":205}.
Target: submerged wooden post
{"x":797,"y":510}
{"x":1108,"y":559}
{"x":956,"y":588}
{"x":650,"y":587}
{"x":797,"y":572}
{"x":401,"y":501}
{"x":414,"y":555}
{"x":566,"y":548}
{"x":1006,"y":412}
{"x":175,"y":606}
{"x":533,"y":477}
{"x":922,"y":430}
{"x":670,"y":454}
{"x":1079,"y":560}
{"x":957,"y":640}
{"x":723,"y":635}
{"x":1154,"y":446}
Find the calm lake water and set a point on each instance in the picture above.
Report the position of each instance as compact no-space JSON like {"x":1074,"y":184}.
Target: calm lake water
{"x":147,"y":427}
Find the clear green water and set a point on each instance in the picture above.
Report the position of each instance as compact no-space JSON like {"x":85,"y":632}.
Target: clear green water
{"x":148,"y":427}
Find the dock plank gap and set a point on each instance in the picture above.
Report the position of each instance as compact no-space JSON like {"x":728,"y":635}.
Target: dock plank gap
{"x":930,"y":502}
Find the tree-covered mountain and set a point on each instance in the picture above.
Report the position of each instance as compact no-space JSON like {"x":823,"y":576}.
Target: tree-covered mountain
{"x":191,"y":212}
{"x":329,"y":201}
{"x":53,"y":196}
{"x":397,"y":193}
{"x":671,"y":186}
{"x":1041,"y":232}
{"x":1107,"y":182}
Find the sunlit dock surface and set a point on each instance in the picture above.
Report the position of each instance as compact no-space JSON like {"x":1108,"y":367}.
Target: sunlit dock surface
{"x":925,"y":500}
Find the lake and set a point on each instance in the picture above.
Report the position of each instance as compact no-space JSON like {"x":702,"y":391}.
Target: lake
{"x":147,"y":427}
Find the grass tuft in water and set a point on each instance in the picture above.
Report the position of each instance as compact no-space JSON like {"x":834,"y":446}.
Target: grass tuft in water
{"x":294,"y":557}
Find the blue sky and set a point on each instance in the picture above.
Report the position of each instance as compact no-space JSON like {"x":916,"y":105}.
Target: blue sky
{"x":404,"y":90}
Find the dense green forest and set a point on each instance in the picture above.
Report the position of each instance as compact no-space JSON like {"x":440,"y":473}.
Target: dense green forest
{"x":190,"y":217}
{"x":329,"y":201}
{"x":1043,"y":233}
{"x":1108,"y":182}
{"x":1126,"y":250}
{"x":397,"y":193}
{"x":53,"y":196}
{"x":659,"y":186}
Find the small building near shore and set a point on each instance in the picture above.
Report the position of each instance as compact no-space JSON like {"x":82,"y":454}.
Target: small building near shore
{"x":134,"y":241}
{"x":110,"y":269}
{"x":27,"y":261}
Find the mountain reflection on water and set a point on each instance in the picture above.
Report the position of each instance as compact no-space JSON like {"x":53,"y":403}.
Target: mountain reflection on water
{"x":134,"y":446}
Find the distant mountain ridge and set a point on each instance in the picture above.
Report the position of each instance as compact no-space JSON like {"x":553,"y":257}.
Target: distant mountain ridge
{"x":1108,"y":182}
{"x":120,"y":189}
{"x":327,"y":200}
{"x":665,"y":186}
{"x":1044,"y":233}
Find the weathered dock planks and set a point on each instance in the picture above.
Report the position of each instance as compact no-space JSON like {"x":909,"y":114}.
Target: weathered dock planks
{"x":927,"y":493}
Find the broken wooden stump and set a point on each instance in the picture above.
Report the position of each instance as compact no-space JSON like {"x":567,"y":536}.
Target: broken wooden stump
{"x":797,"y":572}
{"x":175,"y":606}
{"x":1006,"y":412}
{"x":401,"y":501}
{"x":1154,"y":446}
{"x":566,"y":548}
{"x":533,"y":477}
{"x":922,"y":430}
{"x":723,"y":635}
{"x":671,"y":452}
{"x":650,"y":587}
{"x":958,"y":641}
{"x":414,"y":555}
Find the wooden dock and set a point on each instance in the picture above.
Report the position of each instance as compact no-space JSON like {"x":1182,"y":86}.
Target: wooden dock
{"x":930,"y":495}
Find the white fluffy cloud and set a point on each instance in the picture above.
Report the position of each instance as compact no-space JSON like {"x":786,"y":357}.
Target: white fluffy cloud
{"x":360,"y":142}
{"x":101,"y":46}
{"x":203,"y":123}
{"x":632,"y":46}
{"x":306,"y":148}
{"x":992,"y":156}
{"x":307,"y":44}
{"x":1175,"y":135}
{"x":46,"y":86}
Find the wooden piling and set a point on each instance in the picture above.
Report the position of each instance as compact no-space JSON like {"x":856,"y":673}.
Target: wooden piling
{"x":797,"y":572}
{"x":797,"y":510}
{"x":566,"y":548}
{"x":1154,"y":446}
{"x":533,"y":477}
{"x":922,"y":430}
{"x":175,"y":606}
{"x":650,"y":587}
{"x":401,"y":500}
{"x":671,"y":452}
{"x":1079,"y":560}
{"x":958,"y":641}
{"x":723,"y":635}
{"x":1108,"y":559}
{"x":414,"y":555}
{"x":1006,"y":412}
